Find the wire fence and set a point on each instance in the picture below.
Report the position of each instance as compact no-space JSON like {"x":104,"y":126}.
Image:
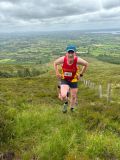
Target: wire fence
{"x":99,"y":89}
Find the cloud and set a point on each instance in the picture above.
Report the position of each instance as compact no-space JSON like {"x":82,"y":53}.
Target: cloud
{"x":46,"y":9}
{"x":41,"y":13}
{"x":108,"y":4}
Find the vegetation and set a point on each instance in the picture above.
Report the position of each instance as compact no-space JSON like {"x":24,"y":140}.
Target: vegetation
{"x":9,"y":71}
{"x":32,"y":125}
{"x":40,"y":48}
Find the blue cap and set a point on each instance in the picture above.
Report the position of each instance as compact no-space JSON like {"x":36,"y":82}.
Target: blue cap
{"x":71,"y":47}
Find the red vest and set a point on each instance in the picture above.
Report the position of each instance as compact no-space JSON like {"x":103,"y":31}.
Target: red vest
{"x":69,"y":71}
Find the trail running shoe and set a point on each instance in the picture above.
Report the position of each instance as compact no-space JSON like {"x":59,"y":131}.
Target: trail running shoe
{"x":72,"y":109}
{"x":64,"y":110}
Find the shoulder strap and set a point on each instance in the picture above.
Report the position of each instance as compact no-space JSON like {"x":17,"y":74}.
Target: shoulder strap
{"x":65,"y":59}
{"x":75,"y":59}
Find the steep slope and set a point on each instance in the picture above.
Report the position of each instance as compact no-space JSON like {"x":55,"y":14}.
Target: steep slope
{"x":33,"y":126}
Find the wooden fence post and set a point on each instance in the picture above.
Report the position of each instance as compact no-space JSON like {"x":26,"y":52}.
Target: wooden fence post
{"x":108,"y":92}
{"x":82,"y":79}
{"x":100,"y":91}
{"x":89,"y":83}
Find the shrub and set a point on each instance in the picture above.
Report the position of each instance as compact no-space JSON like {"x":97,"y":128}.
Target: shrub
{"x":6,"y":124}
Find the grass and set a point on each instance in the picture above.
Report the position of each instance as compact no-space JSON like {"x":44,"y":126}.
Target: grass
{"x":6,"y":60}
{"x":35,"y":127}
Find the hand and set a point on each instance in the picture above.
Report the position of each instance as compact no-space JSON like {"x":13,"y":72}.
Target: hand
{"x":59,"y":75}
{"x":78,"y":77}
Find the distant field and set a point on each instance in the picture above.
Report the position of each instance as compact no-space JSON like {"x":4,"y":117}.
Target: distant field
{"x":6,"y":60}
{"x":37,"y":48}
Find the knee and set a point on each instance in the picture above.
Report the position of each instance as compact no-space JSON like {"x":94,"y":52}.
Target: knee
{"x":63,"y":96}
{"x":73,"y":96}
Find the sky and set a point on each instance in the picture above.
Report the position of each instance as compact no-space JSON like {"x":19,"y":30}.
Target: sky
{"x":50,"y":15}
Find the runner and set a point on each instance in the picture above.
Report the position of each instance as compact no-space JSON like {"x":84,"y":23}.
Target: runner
{"x":69,"y":76}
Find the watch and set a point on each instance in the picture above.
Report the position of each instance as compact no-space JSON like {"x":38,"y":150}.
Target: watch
{"x":81,"y":75}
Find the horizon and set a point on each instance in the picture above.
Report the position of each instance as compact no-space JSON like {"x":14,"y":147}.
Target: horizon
{"x":106,"y":30}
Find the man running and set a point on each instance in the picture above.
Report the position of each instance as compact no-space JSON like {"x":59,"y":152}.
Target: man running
{"x":69,"y":77}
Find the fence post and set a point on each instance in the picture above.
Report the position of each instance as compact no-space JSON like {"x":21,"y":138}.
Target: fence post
{"x":89,"y":83}
{"x":93,"y":85}
{"x":82,"y":79}
{"x":108,"y":92}
{"x":100,"y":91}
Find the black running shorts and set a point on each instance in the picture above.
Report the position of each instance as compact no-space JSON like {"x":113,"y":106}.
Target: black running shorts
{"x":70,"y":84}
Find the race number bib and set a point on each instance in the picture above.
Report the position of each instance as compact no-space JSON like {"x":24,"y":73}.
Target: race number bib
{"x":68,"y":74}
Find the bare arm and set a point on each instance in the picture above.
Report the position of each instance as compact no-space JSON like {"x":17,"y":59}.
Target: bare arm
{"x":56,"y":63}
{"x":83,"y":63}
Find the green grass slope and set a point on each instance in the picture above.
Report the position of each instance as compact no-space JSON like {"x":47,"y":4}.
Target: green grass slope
{"x":33,"y":126}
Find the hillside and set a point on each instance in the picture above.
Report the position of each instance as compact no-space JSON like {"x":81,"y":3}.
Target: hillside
{"x":33,"y":126}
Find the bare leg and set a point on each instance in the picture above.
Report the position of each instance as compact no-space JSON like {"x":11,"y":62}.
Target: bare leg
{"x":59,"y":93}
{"x":64,"y":90}
{"x":73,"y":97}
{"x":64,"y":97}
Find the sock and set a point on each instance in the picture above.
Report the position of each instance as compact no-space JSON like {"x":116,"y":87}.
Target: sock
{"x":72,"y":107}
{"x":66,"y":102}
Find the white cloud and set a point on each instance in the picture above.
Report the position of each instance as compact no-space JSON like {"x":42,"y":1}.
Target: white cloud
{"x":46,"y":13}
